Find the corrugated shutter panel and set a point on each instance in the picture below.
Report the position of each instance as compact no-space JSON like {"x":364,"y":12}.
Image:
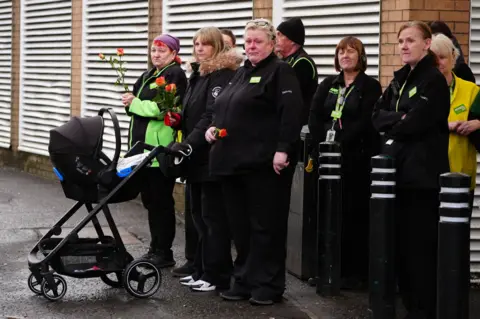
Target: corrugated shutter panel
{"x":5,"y":71}
{"x":45,"y":66}
{"x":182,"y":18}
{"x":328,"y":21}
{"x":474,"y":61}
{"x":108,"y":25}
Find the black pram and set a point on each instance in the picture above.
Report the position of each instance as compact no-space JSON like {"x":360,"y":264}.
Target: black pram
{"x":89,"y":177}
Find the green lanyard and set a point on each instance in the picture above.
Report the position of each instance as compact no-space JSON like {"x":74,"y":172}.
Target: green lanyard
{"x":341,"y":100}
{"x":156,"y":74}
{"x":400,"y":94}
{"x":452,"y":89}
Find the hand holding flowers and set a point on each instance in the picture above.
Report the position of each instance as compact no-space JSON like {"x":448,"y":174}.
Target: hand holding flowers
{"x":168,"y":101}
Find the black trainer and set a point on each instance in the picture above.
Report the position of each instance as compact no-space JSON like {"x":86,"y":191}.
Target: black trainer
{"x":234,"y":295}
{"x":160,"y":259}
{"x":183,"y":271}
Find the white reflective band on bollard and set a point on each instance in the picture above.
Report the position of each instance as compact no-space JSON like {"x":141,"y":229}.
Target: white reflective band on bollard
{"x":383,"y":170}
{"x":329,"y":176}
{"x":384,"y":183}
{"x":460,"y":220}
{"x":454,"y":205}
{"x":376,"y":195}
{"x":330,"y":154}
{"x":454,"y":190}
{"x":330,"y":166}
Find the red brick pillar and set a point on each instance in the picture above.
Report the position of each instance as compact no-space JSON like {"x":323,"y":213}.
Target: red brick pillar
{"x":396,"y":12}
{"x":76,"y":89}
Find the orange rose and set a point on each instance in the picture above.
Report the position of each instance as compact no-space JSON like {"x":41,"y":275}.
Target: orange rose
{"x":160,"y":81}
{"x":101,"y":56}
{"x":222,"y":132}
{"x":171,"y":88}
{"x":120,"y":52}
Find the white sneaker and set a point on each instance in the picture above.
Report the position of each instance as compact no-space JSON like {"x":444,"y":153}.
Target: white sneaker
{"x":190,"y":283}
{"x":201,"y":285}
{"x":186,"y":279}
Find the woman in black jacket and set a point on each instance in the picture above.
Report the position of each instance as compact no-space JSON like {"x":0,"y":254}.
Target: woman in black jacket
{"x":148,"y":125}
{"x":213,"y":67}
{"x":413,"y":114}
{"x":260,"y":111}
{"x":352,"y":94}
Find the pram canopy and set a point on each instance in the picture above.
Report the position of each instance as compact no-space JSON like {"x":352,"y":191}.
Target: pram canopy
{"x":81,"y":136}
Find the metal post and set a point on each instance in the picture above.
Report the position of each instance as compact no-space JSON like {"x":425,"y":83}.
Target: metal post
{"x":329,"y":219}
{"x":453,"y":276}
{"x":382,"y":283}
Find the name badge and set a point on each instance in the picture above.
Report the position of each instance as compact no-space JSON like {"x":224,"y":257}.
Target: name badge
{"x":333,"y":91}
{"x":336,"y":114}
{"x":330,"y":136}
{"x":255,"y":79}
{"x":153,"y":85}
{"x":460,"y":109}
{"x":412,"y":92}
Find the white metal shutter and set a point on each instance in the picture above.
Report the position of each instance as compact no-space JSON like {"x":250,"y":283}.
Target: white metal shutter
{"x":474,"y":61}
{"x":182,"y":18}
{"x":5,"y":71}
{"x":45,"y":71}
{"x":108,"y":25}
{"x":328,"y":21}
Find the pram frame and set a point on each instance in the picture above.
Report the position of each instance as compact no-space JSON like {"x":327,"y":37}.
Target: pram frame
{"x":40,"y":268}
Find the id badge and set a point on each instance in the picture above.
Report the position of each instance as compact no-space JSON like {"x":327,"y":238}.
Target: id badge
{"x":330,"y":136}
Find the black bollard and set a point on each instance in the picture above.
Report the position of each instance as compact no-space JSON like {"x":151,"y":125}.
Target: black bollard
{"x":329,"y":219}
{"x":453,"y":277}
{"x":382,"y":282}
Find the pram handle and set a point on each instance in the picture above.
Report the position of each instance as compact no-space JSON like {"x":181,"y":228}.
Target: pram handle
{"x":116,"y":128}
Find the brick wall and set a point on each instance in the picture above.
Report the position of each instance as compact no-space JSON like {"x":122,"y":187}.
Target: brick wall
{"x":262,"y":9}
{"x":155,"y":12}
{"x":395,"y":12}
{"x":76,"y":95}
{"x":15,"y":98}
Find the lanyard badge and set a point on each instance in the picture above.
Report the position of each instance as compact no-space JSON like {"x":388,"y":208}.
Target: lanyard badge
{"x":337,"y":113}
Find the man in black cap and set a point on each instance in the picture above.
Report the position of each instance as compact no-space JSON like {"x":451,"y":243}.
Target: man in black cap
{"x":289,"y":45}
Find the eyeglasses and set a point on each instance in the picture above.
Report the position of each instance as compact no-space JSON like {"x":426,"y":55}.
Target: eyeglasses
{"x":260,"y":23}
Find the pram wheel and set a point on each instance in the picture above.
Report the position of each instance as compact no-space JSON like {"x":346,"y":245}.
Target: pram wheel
{"x":34,"y":285}
{"x":142,"y":278}
{"x":114,"y":281}
{"x":58,"y":291}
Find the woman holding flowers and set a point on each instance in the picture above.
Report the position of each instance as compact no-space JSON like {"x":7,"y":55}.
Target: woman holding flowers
{"x":212,"y":69}
{"x":151,"y":124}
{"x":259,"y":111}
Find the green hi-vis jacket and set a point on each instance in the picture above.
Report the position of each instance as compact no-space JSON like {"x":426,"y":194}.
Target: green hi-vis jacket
{"x":146,"y":122}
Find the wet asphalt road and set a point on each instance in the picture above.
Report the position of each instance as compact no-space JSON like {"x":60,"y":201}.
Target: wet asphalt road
{"x":30,"y":205}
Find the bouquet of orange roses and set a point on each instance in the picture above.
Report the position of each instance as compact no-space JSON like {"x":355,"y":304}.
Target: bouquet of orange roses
{"x":117,"y":65}
{"x":167,"y":100}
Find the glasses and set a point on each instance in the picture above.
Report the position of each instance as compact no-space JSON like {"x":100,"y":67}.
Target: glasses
{"x":260,"y":23}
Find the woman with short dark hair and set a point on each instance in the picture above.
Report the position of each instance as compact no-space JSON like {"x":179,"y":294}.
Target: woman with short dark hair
{"x":341,"y":111}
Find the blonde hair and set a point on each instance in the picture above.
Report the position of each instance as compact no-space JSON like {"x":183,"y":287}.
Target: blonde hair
{"x":442,"y":45}
{"x":262,"y":24}
{"x":211,"y":36}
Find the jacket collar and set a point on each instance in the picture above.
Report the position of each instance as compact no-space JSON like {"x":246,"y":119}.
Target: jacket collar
{"x":292,"y":57}
{"x":358,"y":82}
{"x":226,"y":60}
{"x":406,"y":71}
{"x":248,"y":64}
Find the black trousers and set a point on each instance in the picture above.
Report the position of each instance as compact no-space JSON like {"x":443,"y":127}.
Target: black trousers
{"x":416,"y":250}
{"x":157,"y":198}
{"x":213,"y":260}
{"x":257,"y":207}
{"x":191,"y":235}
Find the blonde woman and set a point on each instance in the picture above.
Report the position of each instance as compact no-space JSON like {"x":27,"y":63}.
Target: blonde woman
{"x":212,"y":69}
{"x":462,"y":154}
{"x":259,"y":110}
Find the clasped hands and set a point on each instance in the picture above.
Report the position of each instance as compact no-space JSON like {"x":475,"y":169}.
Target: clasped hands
{"x":464,"y":127}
